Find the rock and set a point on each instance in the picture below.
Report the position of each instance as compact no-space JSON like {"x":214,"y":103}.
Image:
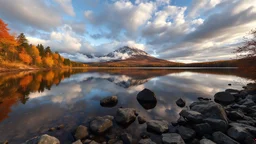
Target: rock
{"x":232,"y":91}
{"x":77,"y":142}
{"x":81,"y":132}
{"x":221,"y":138}
{"x":109,"y":101}
{"x":60,"y":126}
{"x":224,"y":98}
{"x":250,"y":129}
{"x":113,"y":141}
{"x":146,"y":95}
{"x":252,"y":97}
{"x":203,"y":128}
{"x":238,"y":133}
{"x":52,"y":129}
{"x":126,"y":138}
{"x":148,"y":105}
{"x":157,"y":126}
{"x":193,"y":116}
{"x":229,"y":84}
{"x":206,"y":141}
{"x":172,"y":138}
{"x":186,"y":133}
{"x":119,"y":142}
{"x":181,"y":121}
{"x":141,"y":119}
{"x":44,"y":139}
{"x":5,"y":142}
{"x":180,"y":102}
{"x":145,"y":135}
{"x":146,"y":141}
{"x":125,"y":116}
{"x":210,"y":110}
{"x":217,"y":124}
{"x":235,"y":115}
{"x":93,"y":142}
{"x":100,"y":125}
{"x":203,"y":99}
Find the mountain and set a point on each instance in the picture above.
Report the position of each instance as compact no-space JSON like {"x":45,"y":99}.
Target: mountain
{"x":127,"y":51}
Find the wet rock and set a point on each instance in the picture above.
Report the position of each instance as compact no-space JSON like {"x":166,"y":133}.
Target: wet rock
{"x":145,"y":135}
{"x":210,"y":110}
{"x":203,"y":99}
{"x":232,"y":91}
{"x":44,"y":139}
{"x":5,"y":142}
{"x":206,"y":141}
{"x":250,"y":129}
{"x":158,"y":126}
{"x":148,"y":104}
{"x":109,"y":101}
{"x":180,"y":102}
{"x":93,"y":142}
{"x":235,"y":115}
{"x":125,"y":116}
{"x":181,"y":121}
{"x":146,"y":141}
{"x":224,"y":98}
{"x":87,"y":141}
{"x":59,"y":127}
{"x":172,"y":138}
{"x":146,"y":95}
{"x":141,"y":119}
{"x":238,"y":133}
{"x":77,"y":142}
{"x":186,"y":133}
{"x":221,"y":138}
{"x":126,"y":138}
{"x":113,"y":141}
{"x":81,"y":132}
{"x":119,"y":142}
{"x":217,"y":124}
{"x":52,"y":129}
{"x":229,"y":84}
{"x":252,"y":97}
{"x":203,"y":128}
{"x":100,"y":125}
{"x":193,"y":116}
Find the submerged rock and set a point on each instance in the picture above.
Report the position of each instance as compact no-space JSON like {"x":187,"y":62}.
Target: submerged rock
{"x":100,"y":125}
{"x":125,"y":116}
{"x":109,"y":101}
{"x":158,"y":126}
{"x":180,"y":102}
{"x":224,"y":98}
{"x":172,"y":138}
{"x":44,"y":139}
{"x":81,"y":132}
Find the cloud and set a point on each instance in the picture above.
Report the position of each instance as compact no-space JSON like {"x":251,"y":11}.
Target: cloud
{"x":66,"y":5}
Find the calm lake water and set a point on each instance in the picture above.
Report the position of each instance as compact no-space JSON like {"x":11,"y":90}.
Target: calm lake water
{"x":31,"y":102}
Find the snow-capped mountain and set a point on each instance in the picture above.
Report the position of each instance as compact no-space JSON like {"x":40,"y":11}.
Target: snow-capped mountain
{"x":126,"y":52}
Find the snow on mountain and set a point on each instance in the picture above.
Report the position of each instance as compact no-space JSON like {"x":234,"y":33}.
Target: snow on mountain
{"x":126,"y":52}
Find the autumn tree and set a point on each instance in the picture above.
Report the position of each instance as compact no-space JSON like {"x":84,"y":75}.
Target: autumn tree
{"x":35,"y":55}
{"x":25,"y":57}
{"x":48,"y":61}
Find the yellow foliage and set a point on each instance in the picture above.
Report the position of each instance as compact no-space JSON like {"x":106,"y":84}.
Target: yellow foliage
{"x":48,"y":61}
{"x":25,"y":57}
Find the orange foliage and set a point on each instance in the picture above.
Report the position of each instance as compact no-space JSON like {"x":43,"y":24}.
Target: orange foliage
{"x":56,"y":56}
{"x":26,"y":81}
{"x":49,"y":76}
{"x":6,"y":40}
{"x":25,"y":57}
{"x":48,"y":61}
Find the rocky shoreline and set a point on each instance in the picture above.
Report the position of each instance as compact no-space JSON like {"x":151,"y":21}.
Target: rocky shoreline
{"x":229,"y":119}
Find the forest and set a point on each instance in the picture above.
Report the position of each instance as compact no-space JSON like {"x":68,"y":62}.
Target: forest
{"x":17,"y":52}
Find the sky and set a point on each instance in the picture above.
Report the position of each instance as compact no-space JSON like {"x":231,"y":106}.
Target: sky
{"x":175,"y":30}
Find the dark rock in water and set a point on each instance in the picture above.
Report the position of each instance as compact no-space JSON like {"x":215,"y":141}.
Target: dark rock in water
{"x":100,"y":125}
{"x":141,"y":119}
{"x":202,"y":129}
{"x":206,"y":141}
{"x":186,"y":133}
{"x":126,"y":138}
{"x":238,"y":133}
{"x":235,"y":115}
{"x":146,"y":141}
{"x":229,"y":84}
{"x":193,"y":116}
{"x":221,"y":138}
{"x":81,"y":132}
{"x":217,"y":124}
{"x":145,"y":135}
{"x":180,"y":102}
{"x":44,"y":139}
{"x":181,"y":121}
{"x":158,"y":126}
{"x":147,"y":99}
{"x":210,"y":110}
{"x":109,"y":101}
{"x":224,"y":98}
{"x":172,"y":138}
{"x":125,"y":116}
{"x":232,"y":91}
{"x":77,"y":142}
{"x":205,"y":99}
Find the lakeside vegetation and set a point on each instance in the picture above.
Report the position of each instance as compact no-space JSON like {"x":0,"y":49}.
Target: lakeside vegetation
{"x":18,"y":53}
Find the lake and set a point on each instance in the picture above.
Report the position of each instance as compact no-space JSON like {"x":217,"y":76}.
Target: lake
{"x":31,"y":102}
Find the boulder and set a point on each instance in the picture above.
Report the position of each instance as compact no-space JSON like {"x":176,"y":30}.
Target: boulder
{"x":146,"y":141}
{"x":100,"y":125}
{"x":202,"y":129}
{"x":146,"y":95}
{"x":235,"y":115}
{"x":181,"y":121}
{"x":221,"y":138}
{"x":224,"y":98}
{"x":210,"y":110}
{"x":144,"y":135}
{"x":186,"y":133}
{"x":238,"y":133}
{"x":93,"y":142}
{"x":109,"y":101}
{"x":217,"y":124}
{"x":206,"y":141}
{"x":158,"y":126}
{"x":77,"y":142}
{"x":43,"y":139}
{"x":141,"y":119}
{"x":125,"y":116}
{"x":232,"y":91}
{"x":250,"y":129}
{"x":180,"y":102}
{"x":172,"y":138}
{"x":81,"y":132}
{"x":126,"y":138}
{"x":193,"y":116}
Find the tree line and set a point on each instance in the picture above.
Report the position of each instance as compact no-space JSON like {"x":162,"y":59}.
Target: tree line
{"x":17,"y":49}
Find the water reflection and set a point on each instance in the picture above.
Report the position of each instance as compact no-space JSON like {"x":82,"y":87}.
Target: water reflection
{"x":32,"y":102}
